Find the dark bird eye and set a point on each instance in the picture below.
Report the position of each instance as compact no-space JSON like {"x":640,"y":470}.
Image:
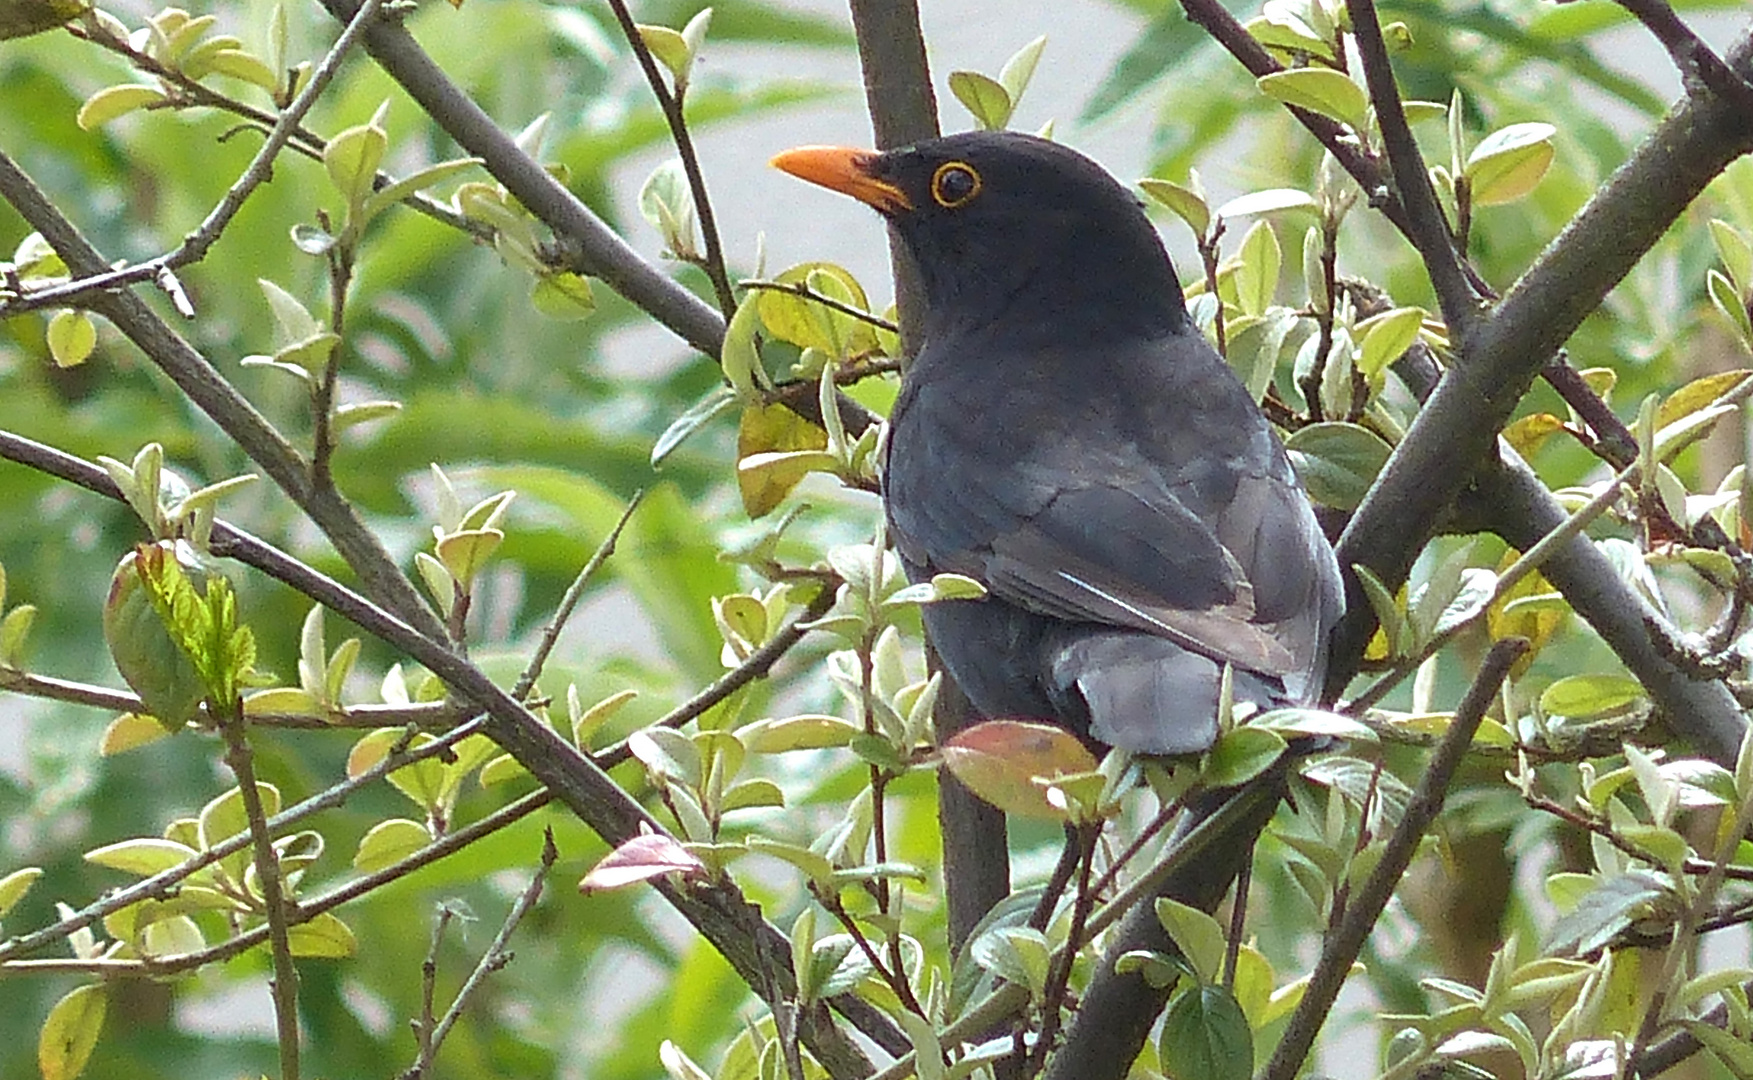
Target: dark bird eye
{"x":954,"y":184}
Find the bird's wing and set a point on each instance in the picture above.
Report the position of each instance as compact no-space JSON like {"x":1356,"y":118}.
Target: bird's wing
{"x":1127,"y":552}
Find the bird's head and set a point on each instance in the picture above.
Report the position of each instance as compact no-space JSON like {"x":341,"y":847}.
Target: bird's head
{"x":1010,"y":230}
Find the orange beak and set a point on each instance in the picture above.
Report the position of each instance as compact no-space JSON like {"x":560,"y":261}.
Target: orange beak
{"x":845,"y":170}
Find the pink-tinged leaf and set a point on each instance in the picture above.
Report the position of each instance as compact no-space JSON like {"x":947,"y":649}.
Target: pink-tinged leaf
{"x":641,"y":859}
{"x":1000,"y":761}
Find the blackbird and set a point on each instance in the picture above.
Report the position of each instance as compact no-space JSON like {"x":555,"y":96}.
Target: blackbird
{"x":1068,"y":438}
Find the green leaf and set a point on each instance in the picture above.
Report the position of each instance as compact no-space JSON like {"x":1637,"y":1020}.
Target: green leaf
{"x":416,"y":181}
{"x":14,"y":885}
{"x":1587,"y":697}
{"x":1199,"y":937}
{"x":1267,"y":201}
{"x":70,"y":1032}
{"x":14,"y":632}
{"x":1728,"y":301}
{"x":1337,"y":461}
{"x":1320,"y":90}
{"x":718,"y":400}
{"x":1020,"y":68}
{"x":323,"y":936}
{"x":1240,"y":755}
{"x":1017,"y":954}
{"x":245,"y":66}
{"x":116,"y":101}
{"x":563,"y":294}
{"x":669,"y":48}
{"x":363,"y":412}
{"x":142,"y":856}
{"x":984,"y":97}
{"x":1205,"y":1036}
{"x":71,"y":338}
{"x":1381,"y":339}
{"x":1186,"y":202}
{"x":352,"y":159}
{"x":667,"y":202}
{"x":806,"y":731}
{"x":1257,"y":275}
{"x":1508,"y":163}
{"x":1736,"y":253}
{"x":1306,"y":721}
{"x":389,"y":842}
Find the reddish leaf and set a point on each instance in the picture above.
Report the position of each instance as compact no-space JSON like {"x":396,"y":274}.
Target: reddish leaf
{"x":641,"y":859}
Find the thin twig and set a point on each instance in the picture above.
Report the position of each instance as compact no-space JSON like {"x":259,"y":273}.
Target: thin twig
{"x":424,"y":1025}
{"x":496,"y":957}
{"x":1059,"y":974}
{"x":1341,"y":948}
{"x":1425,"y":225}
{"x":671,"y":105}
{"x":284,"y":984}
{"x":551,"y":633}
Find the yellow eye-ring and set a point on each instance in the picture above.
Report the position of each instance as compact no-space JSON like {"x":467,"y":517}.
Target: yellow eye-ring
{"x":955,"y":183}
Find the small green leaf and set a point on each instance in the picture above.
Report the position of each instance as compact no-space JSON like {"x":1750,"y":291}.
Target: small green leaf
{"x":667,"y":202}
{"x":563,"y":294}
{"x":1586,"y":697}
{"x":323,"y":936}
{"x":1728,"y":301}
{"x":1205,"y":1036}
{"x":718,"y":400}
{"x":1267,"y":201}
{"x":1337,"y":461}
{"x":1736,"y":253}
{"x":14,"y":885}
{"x":246,"y":66}
{"x":142,"y":856}
{"x":14,"y":633}
{"x":389,"y":842}
{"x":1199,"y":937}
{"x":807,"y":731}
{"x":1020,"y":68}
{"x":670,"y":48}
{"x":1240,"y":755}
{"x":984,"y":97}
{"x":363,"y":412}
{"x":418,"y":180}
{"x":71,"y":338}
{"x":1320,"y":90}
{"x":1257,"y":275}
{"x":1381,"y":339}
{"x":1508,"y":163}
{"x":116,"y":101}
{"x":352,"y":159}
{"x":1186,"y":202}
{"x":464,"y":553}
{"x":70,"y":1032}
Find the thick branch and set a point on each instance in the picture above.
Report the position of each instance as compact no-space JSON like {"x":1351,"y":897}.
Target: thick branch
{"x":1457,"y":428}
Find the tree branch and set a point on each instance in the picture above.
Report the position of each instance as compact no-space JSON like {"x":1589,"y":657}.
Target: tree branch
{"x":1341,"y":948}
{"x":1425,"y":226}
{"x":1505,"y":350}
